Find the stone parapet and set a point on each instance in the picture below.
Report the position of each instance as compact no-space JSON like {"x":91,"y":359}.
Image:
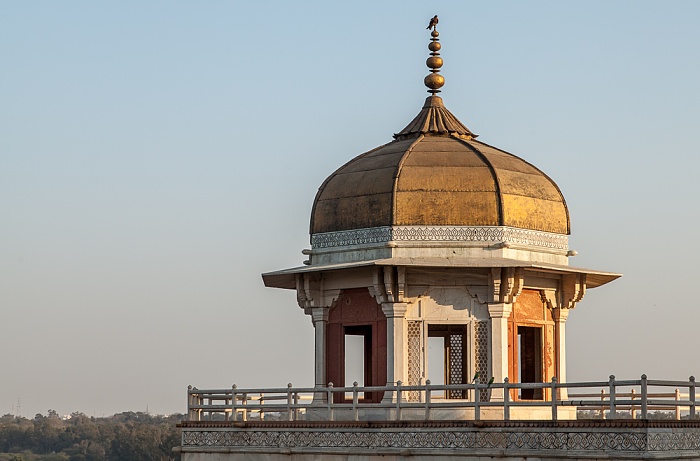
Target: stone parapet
{"x":441,"y":440}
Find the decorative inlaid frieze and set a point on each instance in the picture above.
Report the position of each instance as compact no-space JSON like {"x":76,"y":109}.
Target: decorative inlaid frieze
{"x":619,"y":440}
{"x":485,"y":234}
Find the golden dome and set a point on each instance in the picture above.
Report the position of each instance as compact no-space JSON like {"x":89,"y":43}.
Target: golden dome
{"x":436,"y":174}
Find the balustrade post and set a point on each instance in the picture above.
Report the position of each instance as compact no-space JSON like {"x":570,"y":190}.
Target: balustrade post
{"x":553,"y":387}
{"x":329,"y":402}
{"x":428,"y":399}
{"x":602,"y":404}
{"x":296,"y":406}
{"x":506,"y":399}
{"x":261,"y":403}
{"x":245,"y":406}
{"x":612,"y":397}
{"x":355,"y":400}
{"x":234,"y":403}
{"x":644,"y":396}
{"x":290,"y":414}
{"x":477,"y":399}
{"x":691,"y":397}
{"x":189,"y":404}
{"x":398,"y":400}
{"x":633,"y":408}
{"x":678,"y":409}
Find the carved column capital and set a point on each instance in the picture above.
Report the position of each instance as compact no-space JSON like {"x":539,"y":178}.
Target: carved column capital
{"x":560,"y":315}
{"x":394,"y":310}
{"x":500,"y":310}
{"x":319,"y":314}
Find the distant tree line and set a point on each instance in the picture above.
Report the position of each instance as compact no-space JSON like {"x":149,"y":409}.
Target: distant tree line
{"x":125,"y":436}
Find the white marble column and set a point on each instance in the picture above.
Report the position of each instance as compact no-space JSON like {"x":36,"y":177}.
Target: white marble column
{"x":498,"y":360}
{"x":319,"y":315}
{"x":560,"y":315}
{"x":395,"y":343}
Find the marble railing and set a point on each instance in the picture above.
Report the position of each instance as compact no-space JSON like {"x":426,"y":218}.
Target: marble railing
{"x":635,"y":399}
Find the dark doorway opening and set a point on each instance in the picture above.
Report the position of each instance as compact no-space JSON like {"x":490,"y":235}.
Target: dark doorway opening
{"x":530,"y":360}
{"x":454,"y":356}
{"x":358,"y":358}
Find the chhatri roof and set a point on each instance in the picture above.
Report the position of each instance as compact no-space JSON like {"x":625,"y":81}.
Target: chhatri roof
{"x":435,"y":173}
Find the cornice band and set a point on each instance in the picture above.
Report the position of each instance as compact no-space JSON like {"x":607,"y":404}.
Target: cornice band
{"x":479,"y":234}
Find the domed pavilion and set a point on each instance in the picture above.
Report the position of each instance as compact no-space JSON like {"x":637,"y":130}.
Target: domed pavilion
{"x":437,"y":238}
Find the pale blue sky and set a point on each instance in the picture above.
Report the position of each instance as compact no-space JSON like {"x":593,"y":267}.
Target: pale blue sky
{"x":156,"y":157}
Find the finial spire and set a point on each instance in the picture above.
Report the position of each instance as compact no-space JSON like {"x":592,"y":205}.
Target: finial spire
{"x":434,"y":81}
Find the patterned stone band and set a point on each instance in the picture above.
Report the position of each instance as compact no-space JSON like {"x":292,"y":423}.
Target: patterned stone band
{"x":485,"y":234}
{"x":511,"y":440}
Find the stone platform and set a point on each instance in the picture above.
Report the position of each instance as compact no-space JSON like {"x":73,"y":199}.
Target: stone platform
{"x":440,"y":440}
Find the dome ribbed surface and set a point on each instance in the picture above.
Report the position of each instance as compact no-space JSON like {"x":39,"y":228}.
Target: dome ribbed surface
{"x":435,"y":174}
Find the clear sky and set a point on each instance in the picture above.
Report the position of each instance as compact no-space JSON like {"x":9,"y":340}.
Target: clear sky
{"x":156,"y":157}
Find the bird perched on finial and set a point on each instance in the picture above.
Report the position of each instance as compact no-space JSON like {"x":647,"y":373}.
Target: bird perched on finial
{"x":433,"y":22}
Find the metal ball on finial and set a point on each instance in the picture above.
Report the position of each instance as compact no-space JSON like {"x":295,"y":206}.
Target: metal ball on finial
{"x":434,"y":81}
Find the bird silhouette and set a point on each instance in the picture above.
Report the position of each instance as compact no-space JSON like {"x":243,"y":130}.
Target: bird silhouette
{"x":433,"y":22}
{"x":490,"y":381}
{"x":476,"y":376}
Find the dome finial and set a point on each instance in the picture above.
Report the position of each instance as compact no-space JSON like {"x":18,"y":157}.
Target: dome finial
{"x":434,"y":81}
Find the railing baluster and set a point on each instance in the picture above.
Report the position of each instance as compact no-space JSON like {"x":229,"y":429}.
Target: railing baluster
{"x":428,"y":398}
{"x":644,"y":396}
{"x":331,"y":413}
{"x":612,"y":397}
{"x":553,"y":392}
{"x":678,"y":408}
{"x":355,"y":399}
{"x":234,"y":403}
{"x":602,"y":404}
{"x":290,"y":415}
{"x":398,"y":400}
{"x":190,"y":414}
{"x":506,"y":399}
{"x":691,"y":396}
{"x":261,"y":402}
{"x":633,"y":408}
{"x":296,"y":406}
{"x":477,"y":399}
{"x":244,"y":403}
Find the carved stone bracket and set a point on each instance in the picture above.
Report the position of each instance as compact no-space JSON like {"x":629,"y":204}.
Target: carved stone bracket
{"x":573,"y":289}
{"x":549,"y":297}
{"x":506,"y":284}
{"x":388,"y":284}
{"x":311,"y":293}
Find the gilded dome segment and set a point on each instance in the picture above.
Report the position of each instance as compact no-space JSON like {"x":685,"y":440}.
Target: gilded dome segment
{"x":529,"y":198}
{"x":439,"y":181}
{"x":360,"y":193}
{"x":444,"y":182}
